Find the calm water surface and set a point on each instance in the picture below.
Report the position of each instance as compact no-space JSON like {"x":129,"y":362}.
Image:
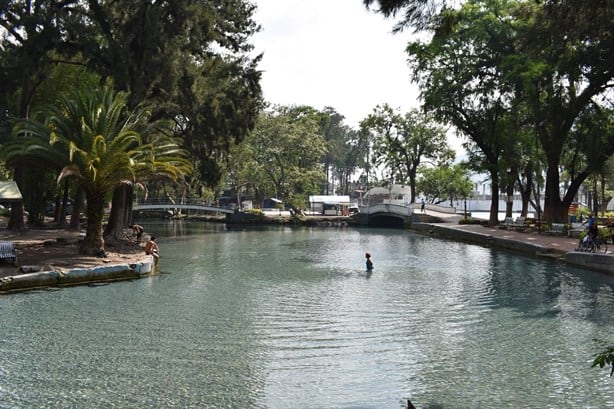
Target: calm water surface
{"x":289,"y":318}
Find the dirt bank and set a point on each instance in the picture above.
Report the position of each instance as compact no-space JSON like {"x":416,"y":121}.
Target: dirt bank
{"x":57,"y":250}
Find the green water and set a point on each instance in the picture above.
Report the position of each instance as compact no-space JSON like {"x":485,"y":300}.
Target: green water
{"x":289,"y":318}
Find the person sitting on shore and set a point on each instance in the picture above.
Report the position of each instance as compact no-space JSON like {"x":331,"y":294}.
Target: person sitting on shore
{"x":152,"y":249}
{"x":137,"y":231}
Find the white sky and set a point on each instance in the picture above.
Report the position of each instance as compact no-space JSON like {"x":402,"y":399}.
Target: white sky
{"x":332,"y":53}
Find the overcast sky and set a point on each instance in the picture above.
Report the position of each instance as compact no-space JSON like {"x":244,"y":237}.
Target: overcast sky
{"x":332,"y":53}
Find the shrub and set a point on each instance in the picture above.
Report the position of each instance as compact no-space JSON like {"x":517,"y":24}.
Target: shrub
{"x":469,"y":220}
{"x":257,"y":212}
{"x":605,"y":357}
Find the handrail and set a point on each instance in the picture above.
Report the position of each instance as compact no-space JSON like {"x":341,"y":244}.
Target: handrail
{"x":168,"y":204}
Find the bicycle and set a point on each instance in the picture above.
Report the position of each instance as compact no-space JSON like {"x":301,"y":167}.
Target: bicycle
{"x":590,"y":244}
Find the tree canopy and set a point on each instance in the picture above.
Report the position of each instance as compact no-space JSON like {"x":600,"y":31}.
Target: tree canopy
{"x":490,"y":62}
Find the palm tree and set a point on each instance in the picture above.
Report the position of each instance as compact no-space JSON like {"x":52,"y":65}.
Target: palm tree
{"x":164,"y":159}
{"x":103,"y":148}
{"x":32,"y":151}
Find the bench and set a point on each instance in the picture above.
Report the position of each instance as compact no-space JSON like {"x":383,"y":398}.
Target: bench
{"x":507,"y":222}
{"x":557,"y":229}
{"x":517,"y":224}
{"x":7,"y":251}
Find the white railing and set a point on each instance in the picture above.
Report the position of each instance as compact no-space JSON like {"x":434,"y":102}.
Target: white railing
{"x":168,"y":204}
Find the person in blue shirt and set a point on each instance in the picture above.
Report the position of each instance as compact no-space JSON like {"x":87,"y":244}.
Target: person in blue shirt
{"x":592,"y":231}
{"x":592,"y":225}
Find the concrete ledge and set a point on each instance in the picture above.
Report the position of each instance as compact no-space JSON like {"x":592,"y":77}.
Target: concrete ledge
{"x":595,"y":262}
{"x":598,"y":262}
{"x":30,"y":280}
{"x":121,"y":271}
{"x":78,"y":276}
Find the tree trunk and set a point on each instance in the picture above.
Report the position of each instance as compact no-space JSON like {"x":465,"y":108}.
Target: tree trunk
{"x":494,"y":200}
{"x":554,"y":212}
{"x":16,"y":218}
{"x":595,"y":204}
{"x":412,"y":185}
{"x":121,"y":214}
{"x":604,"y":201}
{"x":93,"y":243}
{"x":509,"y":200}
{"x":61,"y":220}
{"x":525,"y":194}
{"x":75,"y":217}
{"x":16,"y":222}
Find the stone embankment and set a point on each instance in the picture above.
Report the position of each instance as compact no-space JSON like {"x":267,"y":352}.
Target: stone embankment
{"x":78,"y":276}
{"x":533,"y":244}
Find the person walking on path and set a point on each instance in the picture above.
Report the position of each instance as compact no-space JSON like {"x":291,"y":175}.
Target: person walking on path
{"x":422,"y":206}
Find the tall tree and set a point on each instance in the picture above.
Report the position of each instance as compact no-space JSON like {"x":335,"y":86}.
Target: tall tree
{"x":447,"y":182}
{"x":565,"y":63}
{"x":31,"y":30}
{"x":404,"y":142}
{"x":104,"y":150}
{"x":285,"y":150}
{"x":190,"y":60}
{"x":558,"y":57}
{"x":416,"y":14}
{"x":350,"y":155}
{"x":462,"y":84}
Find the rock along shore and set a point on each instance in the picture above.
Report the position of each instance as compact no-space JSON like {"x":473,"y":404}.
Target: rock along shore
{"x":77,"y":276}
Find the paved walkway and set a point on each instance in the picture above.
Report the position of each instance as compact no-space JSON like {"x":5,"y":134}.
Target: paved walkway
{"x":562,"y":244}
{"x":558,"y":243}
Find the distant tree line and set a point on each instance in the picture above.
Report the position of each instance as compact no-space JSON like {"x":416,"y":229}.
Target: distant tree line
{"x":173,"y":89}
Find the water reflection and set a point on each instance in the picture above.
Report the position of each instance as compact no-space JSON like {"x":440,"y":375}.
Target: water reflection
{"x":289,"y":318}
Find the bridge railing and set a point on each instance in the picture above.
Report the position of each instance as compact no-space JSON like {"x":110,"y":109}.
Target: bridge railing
{"x":169,"y":201}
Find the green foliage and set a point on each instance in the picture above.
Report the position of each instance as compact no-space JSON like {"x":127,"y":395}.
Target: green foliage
{"x":494,"y":60}
{"x":96,"y":136}
{"x":190,"y":61}
{"x":445,"y":183}
{"x":256,"y":212}
{"x":605,"y":357}
{"x":281,"y":157}
{"x":401,"y":143}
{"x":470,"y":220}
{"x":416,"y":14}
{"x":604,"y":234}
{"x":346,"y":151}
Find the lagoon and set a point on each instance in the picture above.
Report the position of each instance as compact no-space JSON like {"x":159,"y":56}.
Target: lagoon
{"x":281,"y":317}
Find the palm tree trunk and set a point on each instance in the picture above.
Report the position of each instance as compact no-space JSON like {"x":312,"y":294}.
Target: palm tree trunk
{"x":61,"y":220}
{"x":16,"y":218}
{"x":75,"y":217}
{"x":93,"y":243}
{"x":121,"y":214}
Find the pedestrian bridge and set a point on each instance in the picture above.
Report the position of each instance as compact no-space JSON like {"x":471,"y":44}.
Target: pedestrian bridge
{"x":385,"y":215}
{"x":401,"y":215}
{"x":167,"y":204}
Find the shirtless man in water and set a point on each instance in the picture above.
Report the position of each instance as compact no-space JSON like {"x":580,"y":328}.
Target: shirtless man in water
{"x":151,"y":248}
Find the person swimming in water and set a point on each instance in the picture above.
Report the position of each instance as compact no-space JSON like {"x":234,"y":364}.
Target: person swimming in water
{"x":369,"y":262}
